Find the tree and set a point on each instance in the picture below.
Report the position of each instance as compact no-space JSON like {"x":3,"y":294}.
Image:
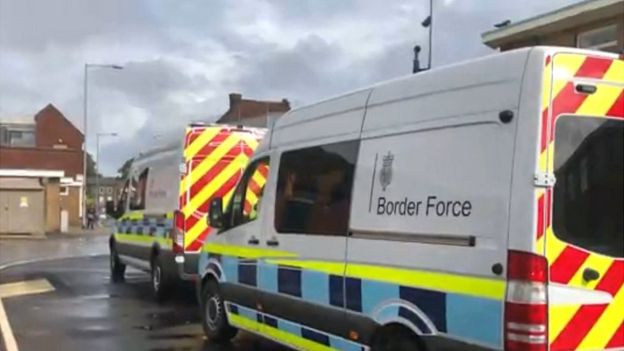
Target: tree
{"x":124,"y":170}
{"x":91,"y":169}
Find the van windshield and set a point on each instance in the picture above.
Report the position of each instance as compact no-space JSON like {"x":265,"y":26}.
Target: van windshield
{"x":588,"y":205}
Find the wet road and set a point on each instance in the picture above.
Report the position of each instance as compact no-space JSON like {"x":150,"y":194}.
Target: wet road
{"x":87,"y":312}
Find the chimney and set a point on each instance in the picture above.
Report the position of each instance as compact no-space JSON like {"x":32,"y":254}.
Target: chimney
{"x":235,"y":98}
{"x":286,"y":103}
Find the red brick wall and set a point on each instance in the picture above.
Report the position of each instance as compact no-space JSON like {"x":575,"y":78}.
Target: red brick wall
{"x":67,"y":160}
{"x":52,"y":128}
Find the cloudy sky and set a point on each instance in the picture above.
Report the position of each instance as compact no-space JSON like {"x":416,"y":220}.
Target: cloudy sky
{"x":182,"y":57}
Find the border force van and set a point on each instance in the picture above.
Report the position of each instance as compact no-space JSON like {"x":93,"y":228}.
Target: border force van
{"x":166,"y":199}
{"x":472,"y":207}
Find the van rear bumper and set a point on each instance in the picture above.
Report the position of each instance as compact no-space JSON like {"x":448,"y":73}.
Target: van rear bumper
{"x":187,"y":266}
{"x":443,"y":342}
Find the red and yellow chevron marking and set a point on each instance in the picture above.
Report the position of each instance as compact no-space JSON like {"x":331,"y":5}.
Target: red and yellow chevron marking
{"x":575,"y":326}
{"x":215,"y":158}
{"x":255,"y":187}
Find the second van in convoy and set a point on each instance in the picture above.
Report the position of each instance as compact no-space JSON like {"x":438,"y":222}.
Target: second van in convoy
{"x":166,"y":199}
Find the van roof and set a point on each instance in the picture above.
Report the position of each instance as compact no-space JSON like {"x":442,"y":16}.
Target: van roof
{"x":460,"y":74}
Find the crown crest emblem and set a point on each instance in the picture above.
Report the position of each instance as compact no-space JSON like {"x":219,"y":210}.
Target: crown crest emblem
{"x":385,"y":175}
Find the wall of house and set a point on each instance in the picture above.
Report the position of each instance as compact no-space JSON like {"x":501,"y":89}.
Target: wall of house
{"x":71,"y":203}
{"x":568,"y":37}
{"x":68,"y":160}
{"x":54,"y":130}
{"x":52,"y":204}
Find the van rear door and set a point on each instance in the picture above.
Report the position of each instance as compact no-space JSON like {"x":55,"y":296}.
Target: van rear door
{"x":582,"y":141}
{"x":215,"y":157}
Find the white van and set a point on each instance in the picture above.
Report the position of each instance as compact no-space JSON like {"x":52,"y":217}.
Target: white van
{"x":166,"y":198}
{"x":473,"y":207}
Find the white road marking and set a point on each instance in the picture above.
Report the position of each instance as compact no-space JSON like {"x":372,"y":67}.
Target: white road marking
{"x":29,"y":287}
{"x":6,"y":332}
{"x":5,"y":328}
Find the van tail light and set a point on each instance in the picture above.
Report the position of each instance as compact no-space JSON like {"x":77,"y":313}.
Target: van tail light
{"x":177,"y":232}
{"x":526,"y":304}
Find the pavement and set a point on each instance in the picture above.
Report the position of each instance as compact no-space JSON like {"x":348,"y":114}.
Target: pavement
{"x":70,"y":304}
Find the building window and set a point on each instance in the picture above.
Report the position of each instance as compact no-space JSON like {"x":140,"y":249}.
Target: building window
{"x":20,"y":136}
{"x":603,"y":38}
{"x":314,"y":189}
{"x":101,"y":190}
{"x":109,"y":191}
{"x":64,"y":191}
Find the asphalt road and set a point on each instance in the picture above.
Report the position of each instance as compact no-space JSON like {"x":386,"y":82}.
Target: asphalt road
{"x":88,"y":312}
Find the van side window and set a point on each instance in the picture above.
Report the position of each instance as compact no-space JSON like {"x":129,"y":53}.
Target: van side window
{"x":122,"y":203}
{"x":248,"y":195}
{"x":314,"y":189}
{"x":138,"y":186}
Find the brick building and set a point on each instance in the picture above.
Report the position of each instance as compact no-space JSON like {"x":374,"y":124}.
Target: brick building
{"x":105,"y":190}
{"x":40,"y":161}
{"x":591,"y":24}
{"x":253,"y":113}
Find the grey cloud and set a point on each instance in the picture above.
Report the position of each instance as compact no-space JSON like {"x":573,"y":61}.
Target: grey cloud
{"x":33,"y":24}
{"x":150,"y":83}
{"x":183,"y":57}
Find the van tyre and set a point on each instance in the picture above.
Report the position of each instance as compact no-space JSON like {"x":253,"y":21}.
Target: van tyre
{"x":214,"y":319}
{"x":396,"y":338}
{"x":161,"y":283}
{"x":117,"y":269}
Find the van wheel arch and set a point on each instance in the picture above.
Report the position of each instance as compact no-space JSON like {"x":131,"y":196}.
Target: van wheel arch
{"x":161,"y":281}
{"x":396,"y":336}
{"x":155,"y":252}
{"x":206,"y":279}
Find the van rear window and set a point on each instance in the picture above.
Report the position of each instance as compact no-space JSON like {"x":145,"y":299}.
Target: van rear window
{"x":588,"y":209}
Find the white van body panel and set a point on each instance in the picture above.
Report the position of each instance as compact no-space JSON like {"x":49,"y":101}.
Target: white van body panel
{"x":335,"y":119}
{"x":164,"y":171}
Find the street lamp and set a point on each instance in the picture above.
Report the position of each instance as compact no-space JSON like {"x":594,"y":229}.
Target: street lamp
{"x":84,"y":131}
{"x":97,"y":170}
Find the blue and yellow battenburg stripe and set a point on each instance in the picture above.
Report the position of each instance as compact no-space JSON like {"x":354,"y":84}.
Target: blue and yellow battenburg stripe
{"x":464,"y":307}
{"x":287,"y":332}
{"x":137,"y":228}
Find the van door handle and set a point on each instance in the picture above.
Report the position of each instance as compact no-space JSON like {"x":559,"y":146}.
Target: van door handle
{"x":253,"y":241}
{"x":272,"y":242}
{"x":590,"y":274}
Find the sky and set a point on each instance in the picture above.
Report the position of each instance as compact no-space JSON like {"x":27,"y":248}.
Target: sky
{"x":182,"y":58}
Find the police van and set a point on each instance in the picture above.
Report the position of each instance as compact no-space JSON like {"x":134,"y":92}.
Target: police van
{"x":166,"y":198}
{"x":473,"y":207}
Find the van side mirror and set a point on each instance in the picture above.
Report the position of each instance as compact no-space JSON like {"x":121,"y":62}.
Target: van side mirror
{"x":215,"y":213}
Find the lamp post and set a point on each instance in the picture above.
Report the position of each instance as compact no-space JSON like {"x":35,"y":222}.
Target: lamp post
{"x":97,"y":170}
{"x":87,"y":66}
{"x":426,"y":23}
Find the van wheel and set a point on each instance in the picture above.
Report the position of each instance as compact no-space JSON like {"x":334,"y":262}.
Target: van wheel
{"x":161,"y":283}
{"x":214,"y":319}
{"x":396,"y":338}
{"x":117,"y":269}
